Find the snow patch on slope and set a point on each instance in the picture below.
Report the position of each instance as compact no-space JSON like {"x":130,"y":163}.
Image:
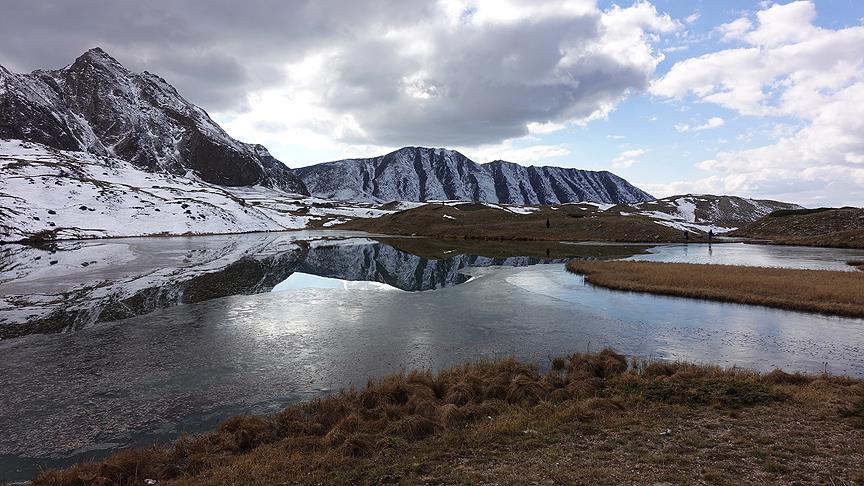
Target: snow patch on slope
{"x":71,"y":195}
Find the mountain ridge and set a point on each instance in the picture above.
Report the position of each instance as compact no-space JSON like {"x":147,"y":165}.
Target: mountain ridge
{"x":422,"y":174}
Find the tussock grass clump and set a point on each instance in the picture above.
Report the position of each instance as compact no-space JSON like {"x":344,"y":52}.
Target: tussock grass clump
{"x":494,"y":402}
{"x":824,"y":291}
{"x":855,"y":412}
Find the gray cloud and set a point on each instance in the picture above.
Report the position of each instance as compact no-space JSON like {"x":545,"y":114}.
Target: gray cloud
{"x":214,"y":52}
{"x":482,"y":84}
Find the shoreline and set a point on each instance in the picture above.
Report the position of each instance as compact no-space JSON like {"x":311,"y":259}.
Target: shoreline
{"x":820,"y":291}
{"x":348,"y":228}
{"x":607,"y":418}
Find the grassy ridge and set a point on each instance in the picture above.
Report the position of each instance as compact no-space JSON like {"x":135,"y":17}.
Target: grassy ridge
{"x":590,"y":418}
{"x":830,"y":227}
{"x":829,"y":292}
{"x":477,"y":221}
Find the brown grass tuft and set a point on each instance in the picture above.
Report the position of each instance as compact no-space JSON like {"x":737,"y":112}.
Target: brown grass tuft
{"x":780,"y":377}
{"x":357,"y":445}
{"x":559,"y":395}
{"x":526,"y":390}
{"x":425,"y":407}
{"x":425,"y":378}
{"x":459,"y":394}
{"x":450,"y":415}
{"x":659,"y":369}
{"x":584,"y":388}
{"x":604,"y":364}
{"x":559,"y":363}
{"x":242,"y":433}
{"x":413,"y":427}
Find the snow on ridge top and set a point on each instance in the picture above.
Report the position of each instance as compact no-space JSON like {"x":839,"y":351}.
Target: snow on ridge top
{"x":424,"y":174}
{"x":718,"y":213}
{"x":600,"y":206}
{"x":99,"y":56}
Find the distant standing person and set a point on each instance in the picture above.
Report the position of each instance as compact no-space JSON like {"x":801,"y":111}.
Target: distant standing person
{"x":710,"y":235}
{"x":547,"y":223}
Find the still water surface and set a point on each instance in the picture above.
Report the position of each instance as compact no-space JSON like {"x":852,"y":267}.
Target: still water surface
{"x":211,"y":327}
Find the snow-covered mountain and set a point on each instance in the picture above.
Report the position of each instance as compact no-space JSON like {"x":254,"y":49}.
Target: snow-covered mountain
{"x":95,"y":105}
{"x":426,"y":174}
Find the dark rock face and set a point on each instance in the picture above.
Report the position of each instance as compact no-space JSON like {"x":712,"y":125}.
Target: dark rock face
{"x":96,"y":105}
{"x":424,"y":174}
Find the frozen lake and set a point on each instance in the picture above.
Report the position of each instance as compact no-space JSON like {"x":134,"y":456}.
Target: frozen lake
{"x":171,"y":335}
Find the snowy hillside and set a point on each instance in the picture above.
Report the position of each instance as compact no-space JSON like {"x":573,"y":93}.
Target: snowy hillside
{"x":719,"y":214}
{"x":63,"y":195}
{"x":96,"y":105}
{"x":425,"y":174}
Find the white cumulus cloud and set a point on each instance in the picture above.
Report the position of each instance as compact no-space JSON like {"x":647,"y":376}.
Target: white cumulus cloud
{"x":788,"y":68}
{"x":713,"y":122}
{"x":627,"y":158}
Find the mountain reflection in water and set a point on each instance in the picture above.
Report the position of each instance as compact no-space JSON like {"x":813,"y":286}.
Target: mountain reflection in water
{"x":74,"y":284}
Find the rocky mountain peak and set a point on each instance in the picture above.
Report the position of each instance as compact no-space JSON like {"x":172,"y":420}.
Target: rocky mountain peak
{"x":97,"y":105}
{"x":97,"y":57}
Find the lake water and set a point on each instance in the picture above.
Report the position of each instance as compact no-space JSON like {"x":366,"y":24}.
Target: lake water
{"x":171,"y":335}
{"x":755,"y":255}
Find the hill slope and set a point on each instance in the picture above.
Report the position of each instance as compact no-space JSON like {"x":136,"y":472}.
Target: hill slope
{"x":425,"y":174}
{"x":703,"y":212}
{"x":96,"y":105}
{"x":574,"y":222}
{"x":843,"y":227}
{"x":52,"y":194}
{"x":675,"y":218}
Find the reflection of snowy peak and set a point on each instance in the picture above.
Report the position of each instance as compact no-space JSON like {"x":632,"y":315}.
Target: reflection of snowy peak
{"x":381,"y":263}
{"x":374,"y":262}
{"x":96,"y":105}
{"x":75,"y":284}
{"x":704,"y":212}
{"x":425,"y":174}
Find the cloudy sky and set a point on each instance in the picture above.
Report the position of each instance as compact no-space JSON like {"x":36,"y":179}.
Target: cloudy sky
{"x":753,"y":98}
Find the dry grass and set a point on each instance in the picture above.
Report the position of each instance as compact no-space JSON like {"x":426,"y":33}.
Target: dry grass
{"x":590,"y":418}
{"x":829,"y":292}
{"x":476,"y":221}
{"x":841,"y":227}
